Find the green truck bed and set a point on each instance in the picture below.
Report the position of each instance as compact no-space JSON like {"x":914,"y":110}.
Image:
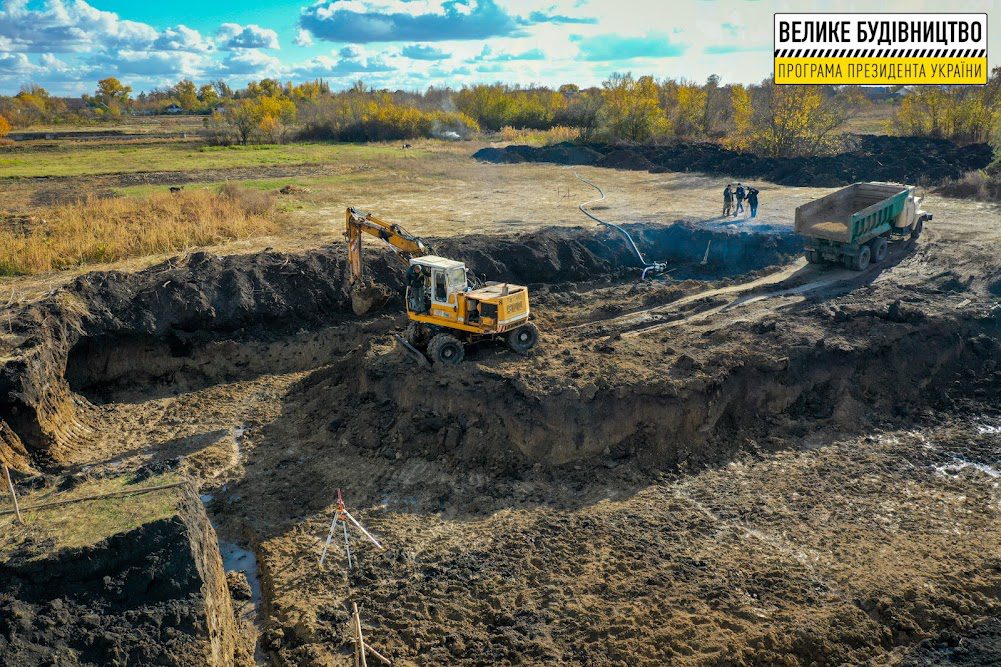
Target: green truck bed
{"x":854,"y":214}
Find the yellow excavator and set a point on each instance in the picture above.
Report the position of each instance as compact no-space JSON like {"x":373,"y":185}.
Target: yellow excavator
{"x":446,"y":306}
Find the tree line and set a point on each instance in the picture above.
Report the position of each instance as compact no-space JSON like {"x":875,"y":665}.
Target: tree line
{"x":763,"y":118}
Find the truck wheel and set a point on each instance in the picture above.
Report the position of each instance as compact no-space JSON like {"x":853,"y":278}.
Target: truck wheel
{"x":416,"y":334}
{"x":918,"y":227}
{"x":446,"y":349}
{"x":524,"y":338}
{"x":861,"y":262}
{"x":879,"y":248}
{"x":813,"y":257}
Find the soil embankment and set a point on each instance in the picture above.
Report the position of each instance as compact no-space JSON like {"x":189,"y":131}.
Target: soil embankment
{"x":870,"y":158}
{"x":152,"y":591}
{"x":149,"y":325}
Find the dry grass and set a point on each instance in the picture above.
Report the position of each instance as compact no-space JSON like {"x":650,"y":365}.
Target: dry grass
{"x":980,"y":184}
{"x":539,"y":137}
{"x":87,"y":521}
{"x":105,"y":230}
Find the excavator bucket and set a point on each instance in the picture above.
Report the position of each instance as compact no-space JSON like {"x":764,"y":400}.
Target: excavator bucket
{"x":366,"y":297}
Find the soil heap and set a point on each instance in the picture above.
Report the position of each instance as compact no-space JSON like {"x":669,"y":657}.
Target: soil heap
{"x":870,"y":158}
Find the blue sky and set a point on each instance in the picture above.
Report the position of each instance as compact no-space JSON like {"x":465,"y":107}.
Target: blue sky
{"x":68,"y":45}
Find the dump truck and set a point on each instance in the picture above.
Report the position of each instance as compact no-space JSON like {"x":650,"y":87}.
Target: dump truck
{"x":447,"y":307}
{"x":855,"y":224}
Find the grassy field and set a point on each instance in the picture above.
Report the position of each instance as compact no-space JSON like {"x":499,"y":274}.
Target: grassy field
{"x":71,"y":158}
{"x":85,"y":522}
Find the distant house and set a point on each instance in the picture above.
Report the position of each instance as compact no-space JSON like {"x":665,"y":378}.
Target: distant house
{"x":173,"y":108}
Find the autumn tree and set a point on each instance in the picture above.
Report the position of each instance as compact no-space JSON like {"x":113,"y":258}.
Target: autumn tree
{"x":742,"y":116}
{"x":275,"y":116}
{"x":961,"y":113}
{"x":582,"y":111}
{"x":800,"y":120}
{"x":4,"y":127}
{"x":186,"y":94}
{"x":208,"y":97}
{"x":111,"y":92}
{"x":242,"y":116}
{"x":688,"y":116}
{"x":632,"y":109}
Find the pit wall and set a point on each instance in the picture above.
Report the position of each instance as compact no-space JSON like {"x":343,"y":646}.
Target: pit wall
{"x":109,"y":326}
{"x":693,"y":414}
{"x":153,"y":595}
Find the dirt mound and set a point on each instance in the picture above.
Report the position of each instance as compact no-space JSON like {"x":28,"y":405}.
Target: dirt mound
{"x":625,"y":159}
{"x":870,"y":158}
{"x":170,"y":310}
{"x":155,"y":594}
{"x":562,"y":153}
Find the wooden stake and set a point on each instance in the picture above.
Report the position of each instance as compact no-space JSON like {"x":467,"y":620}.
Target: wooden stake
{"x":361,"y":639}
{"x":13,"y":494}
{"x":383,"y":659}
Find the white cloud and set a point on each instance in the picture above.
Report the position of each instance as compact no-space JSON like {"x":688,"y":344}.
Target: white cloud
{"x":251,"y":62}
{"x":16,"y":64}
{"x":67,"y":27}
{"x":236,"y":36}
{"x":303,"y":38}
{"x":181,"y":38}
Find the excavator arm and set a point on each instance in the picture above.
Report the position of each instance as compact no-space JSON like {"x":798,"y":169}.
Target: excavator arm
{"x":404,"y":244}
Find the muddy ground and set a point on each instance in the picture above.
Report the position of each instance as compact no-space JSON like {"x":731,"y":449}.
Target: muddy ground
{"x":747,"y":461}
{"x":865,"y":158}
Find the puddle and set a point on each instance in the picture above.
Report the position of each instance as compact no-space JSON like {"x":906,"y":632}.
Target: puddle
{"x":238,"y":559}
{"x":956,"y":467}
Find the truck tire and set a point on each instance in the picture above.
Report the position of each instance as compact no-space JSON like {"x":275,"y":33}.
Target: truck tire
{"x":878,"y":248}
{"x":917,"y":229}
{"x":813,"y":257}
{"x":524,"y":338}
{"x":446,"y":349}
{"x":861,"y":262}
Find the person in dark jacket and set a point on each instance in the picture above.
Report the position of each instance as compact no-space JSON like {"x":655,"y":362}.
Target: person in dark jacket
{"x":417,"y":287}
{"x":752,"y":200}
{"x":739,"y":194}
{"x":727,"y":200}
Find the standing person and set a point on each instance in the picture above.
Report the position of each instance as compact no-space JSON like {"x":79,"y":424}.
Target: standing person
{"x":752,"y":200}
{"x":727,"y":200}
{"x":416,"y":285}
{"x":740,"y":200}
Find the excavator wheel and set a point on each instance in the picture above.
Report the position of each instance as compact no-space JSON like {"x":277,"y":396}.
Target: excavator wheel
{"x":416,"y":334}
{"x":446,"y":349}
{"x":524,"y":338}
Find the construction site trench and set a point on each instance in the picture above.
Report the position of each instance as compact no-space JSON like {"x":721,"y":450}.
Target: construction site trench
{"x":741,"y":350}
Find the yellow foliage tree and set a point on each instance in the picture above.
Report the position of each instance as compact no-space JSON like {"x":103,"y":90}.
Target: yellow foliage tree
{"x":742,"y":116}
{"x":632,"y":108}
{"x":4,"y":127}
{"x":689,"y":116}
{"x":961,"y":113}
{"x":800,"y":120}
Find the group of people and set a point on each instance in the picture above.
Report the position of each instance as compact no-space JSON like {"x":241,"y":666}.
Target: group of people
{"x":733,"y":200}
